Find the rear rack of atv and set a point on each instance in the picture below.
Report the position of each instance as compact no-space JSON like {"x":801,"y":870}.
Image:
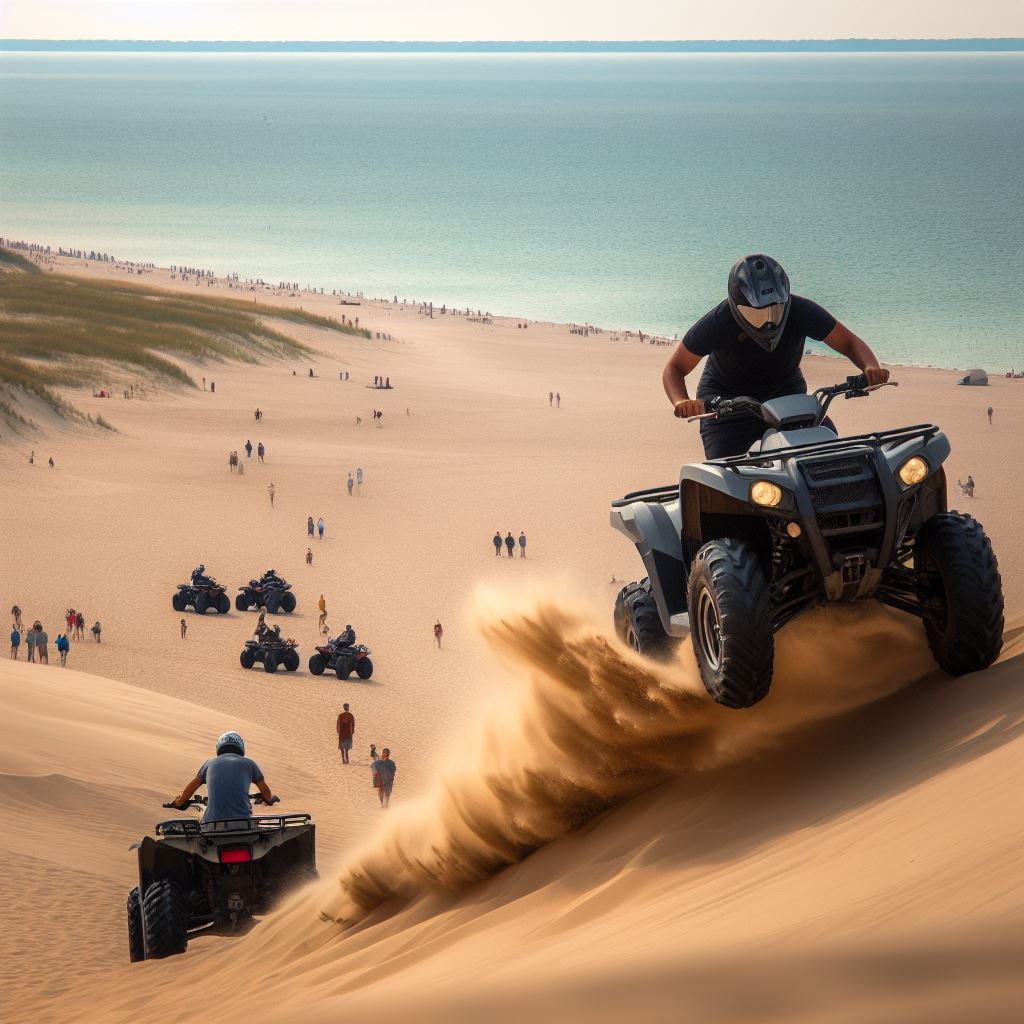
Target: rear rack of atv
{"x":191,"y":828}
{"x":840,"y":444}
{"x":661,"y":494}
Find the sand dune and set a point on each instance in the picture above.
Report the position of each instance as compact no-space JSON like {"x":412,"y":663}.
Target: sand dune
{"x":573,"y":832}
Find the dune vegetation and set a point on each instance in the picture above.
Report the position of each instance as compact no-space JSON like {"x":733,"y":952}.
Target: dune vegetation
{"x":58,"y":331}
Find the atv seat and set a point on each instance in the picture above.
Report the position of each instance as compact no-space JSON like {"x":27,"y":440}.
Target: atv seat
{"x":774,"y":439}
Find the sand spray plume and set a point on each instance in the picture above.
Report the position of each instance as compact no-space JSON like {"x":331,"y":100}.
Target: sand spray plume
{"x":591,"y":724}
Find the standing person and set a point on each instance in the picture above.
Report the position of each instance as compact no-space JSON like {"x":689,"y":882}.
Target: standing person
{"x":41,"y":641}
{"x":270,"y":491}
{"x":496,"y":541}
{"x":96,"y":631}
{"x":248,"y":448}
{"x":522,"y":544}
{"x":510,"y":544}
{"x":63,"y":647}
{"x":30,"y":643}
{"x":16,"y":612}
{"x":384,"y":770}
{"x":990,"y":411}
{"x":551,"y":398}
{"x":558,"y":400}
{"x":15,"y":642}
{"x":322,"y":605}
{"x":184,"y":628}
{"x":438,"y":633}
{"x":260,"y":451}
{"x":309,"y":527}
{"x":346,"y":732}
{"x":359,"y":479}
{"x":970,"y":486}
{"x":80,"y":626}
{"x":348,"y":484}
{"x":309,"y":556}
{"x":320,"y":527}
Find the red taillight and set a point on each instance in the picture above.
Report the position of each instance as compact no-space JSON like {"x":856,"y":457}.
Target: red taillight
{"x":235,"y":855}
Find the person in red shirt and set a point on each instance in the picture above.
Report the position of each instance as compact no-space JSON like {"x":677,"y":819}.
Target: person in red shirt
{"x":346,"y":731}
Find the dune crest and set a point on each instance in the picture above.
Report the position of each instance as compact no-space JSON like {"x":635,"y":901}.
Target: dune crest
{"x":591,"y":725}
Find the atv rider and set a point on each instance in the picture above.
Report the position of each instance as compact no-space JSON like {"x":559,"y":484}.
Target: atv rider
{"x":200,"y":579}
{"x":754,"y":340}
{"x":227,"y":778}
{"x":347,"y":637}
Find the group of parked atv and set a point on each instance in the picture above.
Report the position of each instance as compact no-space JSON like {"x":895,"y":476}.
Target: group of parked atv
{"x":270,"y":591}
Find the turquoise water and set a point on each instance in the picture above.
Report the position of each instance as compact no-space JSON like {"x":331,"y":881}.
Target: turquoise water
{"x":611,"y":188}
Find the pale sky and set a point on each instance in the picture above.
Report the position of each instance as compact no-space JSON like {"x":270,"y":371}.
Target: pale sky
{"x":513,"y":19}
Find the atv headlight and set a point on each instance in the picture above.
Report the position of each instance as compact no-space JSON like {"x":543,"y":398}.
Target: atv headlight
{"x":765,"y":493}
{"x":913,"y":471}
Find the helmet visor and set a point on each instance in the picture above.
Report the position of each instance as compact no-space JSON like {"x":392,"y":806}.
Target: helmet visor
{"x":762,"y":316}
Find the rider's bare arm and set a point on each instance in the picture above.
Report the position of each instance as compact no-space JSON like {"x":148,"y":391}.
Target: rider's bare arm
{"x":680,"y":363}
{"x":846,"y":343}
{"x":188,"y":792}
{"x":265,"y":791}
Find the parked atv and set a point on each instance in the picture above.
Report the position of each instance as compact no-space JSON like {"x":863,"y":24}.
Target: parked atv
{"x":269,"y":591}
{"x":272,"y":650}
{"x":201,"y":596}
{"x":743,"y":545}
{"x":343,"y":659}
{"x":214,"y":877}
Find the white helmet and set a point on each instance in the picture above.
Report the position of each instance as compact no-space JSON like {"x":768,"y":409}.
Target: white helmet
{"x":230,"y":739}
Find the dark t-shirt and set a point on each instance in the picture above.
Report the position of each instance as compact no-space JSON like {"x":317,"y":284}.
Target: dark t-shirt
{"x":739,"y":366}
{"x":227,"y":779}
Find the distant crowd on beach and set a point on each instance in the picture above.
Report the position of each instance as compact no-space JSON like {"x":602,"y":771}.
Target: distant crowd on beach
{"x":509,"y":543}
{"x":37,"y":641}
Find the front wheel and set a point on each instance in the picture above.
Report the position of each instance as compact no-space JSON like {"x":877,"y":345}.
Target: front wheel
{"x":136,"y":942}
{"x":202,"y":603}
{"x":317,"y":665}
{"x":729,"y":625}
{"x":223,"y":604}
{"x":364,"y":668}
{"x":288,"y":602}
{"x":638,"y":623}
{"x":178,"y":601}
{"x":270,"y":662}
{"x":961,"y":593}
{"x":247,"y":658}
{"x":273,"y":602}
{"x":242,"y":602}
{"x":342,"y":668}
{"x":164,"y":920}
{"x":291,"y":659}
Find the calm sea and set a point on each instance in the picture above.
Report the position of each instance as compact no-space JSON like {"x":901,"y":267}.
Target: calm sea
{"x":611,"y":188}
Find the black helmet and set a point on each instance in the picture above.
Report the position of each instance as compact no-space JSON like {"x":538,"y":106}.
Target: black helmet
{"x":759,"y":299}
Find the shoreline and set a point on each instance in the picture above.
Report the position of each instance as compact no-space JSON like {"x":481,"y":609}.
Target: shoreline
{"x":246,"y":285}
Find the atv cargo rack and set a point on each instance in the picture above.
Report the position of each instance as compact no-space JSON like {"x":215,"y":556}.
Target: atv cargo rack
{"x":192,"y":829}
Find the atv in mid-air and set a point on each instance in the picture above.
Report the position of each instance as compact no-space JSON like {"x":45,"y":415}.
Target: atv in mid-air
{"x":270,"y":648}
{"x":743,"y":545}
{"x":344,"y":659}
{"x":214,"y":877}
{"x":203,"y":593}
{"x":269,"y":591}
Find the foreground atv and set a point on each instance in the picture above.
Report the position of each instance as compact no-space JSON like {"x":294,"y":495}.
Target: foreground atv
{"x":343,"y":660}
{"x":271,"y":651}
{"x":743,"y":545}
{"x":214,"y":877}
{"x":201,"y":597}
{"x":269,"y":591}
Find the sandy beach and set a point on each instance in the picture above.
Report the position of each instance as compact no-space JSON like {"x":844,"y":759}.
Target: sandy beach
{"x":859,"y":831}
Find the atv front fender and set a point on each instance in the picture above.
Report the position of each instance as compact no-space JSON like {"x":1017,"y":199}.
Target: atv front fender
{"x":655,"y":527}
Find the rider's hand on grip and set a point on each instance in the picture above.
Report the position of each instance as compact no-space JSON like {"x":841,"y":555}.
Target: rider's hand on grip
{"x":876,"y":375}
{"x":687,"y":407}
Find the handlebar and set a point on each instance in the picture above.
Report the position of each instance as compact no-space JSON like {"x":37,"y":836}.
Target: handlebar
{"x":202,"y":801}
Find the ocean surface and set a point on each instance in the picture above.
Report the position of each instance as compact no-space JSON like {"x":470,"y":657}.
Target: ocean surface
{"x":615,"y":189}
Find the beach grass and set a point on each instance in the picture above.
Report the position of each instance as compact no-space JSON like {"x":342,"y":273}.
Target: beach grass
{"x":59,"y":331}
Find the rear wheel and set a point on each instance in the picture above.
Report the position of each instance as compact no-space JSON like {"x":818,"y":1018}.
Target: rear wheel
{"x":242,"y":602}
{"x":317,"y":665}
{"x":364,"y":668}
{"x":247,"y":658}
{"x":961,"y":593}
{"x":729,"y":625}
{"x":136,"y":942}
{"x":270,"y":662}
{"x":273,"y":602}
{"x":638,"y":623}
{"x":223,"y":604}
{"x":288,"y":601}
{"x":164,"y":920}
{"x":202,"y":603}
{"x":291,"y":659}
{"x":178,"y":601}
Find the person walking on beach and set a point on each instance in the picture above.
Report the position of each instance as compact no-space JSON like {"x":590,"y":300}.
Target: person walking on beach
{"x":320,"y":527}
{"x":348,"y":484}
{"x":384,"y":770}
{"x":309,"y":556}
{"x":346,"y":732}
{"x":510,"y":544}
{"x":309,"y":527}
{"x":260,"y":451}
{"x":79,"y":626}
{"x":15,"y":642}
{"x":248,"y":448}
{"x":551,"y":398}
{"x":96,"y":631}
{"x":270,"y":491}
{"x":558,"y":400}
{"x":322,"y":605}
{"x":522,"y":544}
{"x":438,"y":633}
{"x":359,"y":479}
{"x":30,"y":643}
{"x":41,"y":641}
{"x":184,"y":628}
{"x":497,"y":543}
{"x":990,"y":411}
{"x":63,"y":648}
{"x":373,"y":753}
